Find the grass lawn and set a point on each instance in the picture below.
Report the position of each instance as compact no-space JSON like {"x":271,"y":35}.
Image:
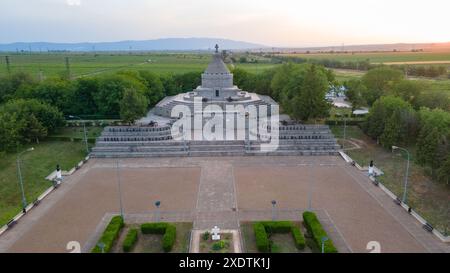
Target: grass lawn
{"x":36,"y":165}
{"x":430,"y":199}
{"x":281,"y":243}
{"x":152,"y":243}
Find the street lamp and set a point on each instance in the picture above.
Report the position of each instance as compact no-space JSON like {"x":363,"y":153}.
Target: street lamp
{"x":157,"y":205}
{"x":274,"y":203}
{"x":19,"y":174}
{"x":84,"y":129}
{"x":323,"y":239}
{"x":119,"y":186}
{"x":310,"y":189}
{"x":101,"y":245}
{"x":407,"y":171}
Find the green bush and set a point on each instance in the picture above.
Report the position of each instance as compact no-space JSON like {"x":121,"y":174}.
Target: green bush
{"x":169,"y":237}
{"x":219,"y":245}
{"x":110,"y":235}
{"x":130,"y":240}
{"x":168,"y":230}
{"x":299,"y":239}
{"x":262,"y":240}
{"x":205,"y":236}
{"x":315,"y":228}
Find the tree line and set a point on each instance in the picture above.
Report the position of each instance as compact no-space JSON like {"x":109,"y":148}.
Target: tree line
{"x":32,"y":109}
{"x":430,"y":71}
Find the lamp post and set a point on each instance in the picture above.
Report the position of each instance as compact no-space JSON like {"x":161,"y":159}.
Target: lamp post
{"x":84,"y":129}
{"x":101,"y":245}
{"x":345,"y":131}
{"x":119,"y":186}
{"x":157,"y":205}
{"x":274,"y":203}
{"x":323,"y":240}
{"x":407,"y":171}
{"x":310,"y":189}
{"x":19,"y":174}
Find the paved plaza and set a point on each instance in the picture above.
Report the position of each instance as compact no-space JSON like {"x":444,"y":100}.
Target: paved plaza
{"x":220,"y":191}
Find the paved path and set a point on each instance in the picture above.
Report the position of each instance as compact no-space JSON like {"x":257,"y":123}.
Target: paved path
{"x":206,"y":191}
{"x":216,"y":200}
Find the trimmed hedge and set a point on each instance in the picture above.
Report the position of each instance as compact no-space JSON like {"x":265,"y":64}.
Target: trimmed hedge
{"x":110,"y":235}
{"x":277,"y":226}
{"x":315,"y":228}
{"x":168,"y":230}
{"x":264,"y":229}
{"x":262,"y":240}
{"x":169,"y":237}
{"x":299,"y":239}
{"x":154,"y":228}
{"x":130,"y":240}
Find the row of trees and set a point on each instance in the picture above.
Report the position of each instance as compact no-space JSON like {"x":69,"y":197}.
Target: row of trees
{"x":96,"y":95}
{"x":394,"y":121}
{"x":30,"y":110}
{"x":299,"y":88}
{"x":412,"y":70}
{"x":387,"y":81}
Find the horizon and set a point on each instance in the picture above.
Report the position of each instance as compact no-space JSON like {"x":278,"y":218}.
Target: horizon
{"x":288,"y":24}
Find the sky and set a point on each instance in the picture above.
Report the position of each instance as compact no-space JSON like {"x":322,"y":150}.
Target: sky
{"x":278,"y":23}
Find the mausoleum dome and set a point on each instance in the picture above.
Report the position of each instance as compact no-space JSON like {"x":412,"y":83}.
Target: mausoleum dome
{"x":217,"y":75}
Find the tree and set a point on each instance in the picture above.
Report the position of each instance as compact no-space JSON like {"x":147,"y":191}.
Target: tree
{"x":355,"y":93}
{"x":309,"y":95}
{"x":155,"y":88}
{"x":26,"y":120}
{"x":379,"y":81}
{"x":381,"y":111}
{"x":443,"y":173}
{"x":400,"y":128}
{"x":408,"y":90}
{"x":54,"y":91}
{"x":110,"y":92}
{"x":82,"y":99}
{"x":188,"y":81}
{"x":34,"y":129}
{"x":132,"y":106}
{"x":169,"y":84}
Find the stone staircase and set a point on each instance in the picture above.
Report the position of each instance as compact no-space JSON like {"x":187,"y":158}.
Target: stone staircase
{"x":144,"y":141}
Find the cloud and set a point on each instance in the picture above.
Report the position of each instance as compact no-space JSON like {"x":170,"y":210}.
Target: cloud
{"x":74,"y":2}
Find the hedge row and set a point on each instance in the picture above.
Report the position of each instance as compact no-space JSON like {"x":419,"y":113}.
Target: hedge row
{"x":110,"y":235}
{"x":262,"y":240}
{"x":71,"y":139}
{"x":130,"y":240}
{"x":167,"y":229}
{"x":348,"y":122}
{"x":315,"y":228}
{"x":264,"y":229}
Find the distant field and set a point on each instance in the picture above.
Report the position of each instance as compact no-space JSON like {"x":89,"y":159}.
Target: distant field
{"x":383,"y":57}
{"x":435,"y":84}
{"x":90,"y":64}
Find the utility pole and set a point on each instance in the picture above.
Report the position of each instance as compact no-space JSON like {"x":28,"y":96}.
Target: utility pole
{"x":8,"y":67}
{"x":68,"y":68}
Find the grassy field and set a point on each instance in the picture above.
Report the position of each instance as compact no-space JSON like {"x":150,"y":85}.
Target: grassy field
{"x":343,"y":75}
{"x":52,"y":64}
{"x":428,"y":198}
{"x":36,"y":165}
{"x":380,"y":57}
